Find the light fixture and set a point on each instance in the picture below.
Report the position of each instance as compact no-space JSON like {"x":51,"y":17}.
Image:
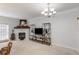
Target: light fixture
{"x":48,"y":11}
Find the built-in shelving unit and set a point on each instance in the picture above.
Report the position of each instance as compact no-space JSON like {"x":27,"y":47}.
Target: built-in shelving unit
{"x":45,"y":37}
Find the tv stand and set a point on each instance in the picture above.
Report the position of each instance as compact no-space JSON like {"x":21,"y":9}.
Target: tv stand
{"x":41,"y":39}
{"x":41,"y":34}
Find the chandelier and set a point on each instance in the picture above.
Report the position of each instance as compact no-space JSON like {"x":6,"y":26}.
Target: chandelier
{"x":48,"y":11}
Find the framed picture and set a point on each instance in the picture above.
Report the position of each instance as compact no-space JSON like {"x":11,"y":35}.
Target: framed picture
{"x":23,"y":22}
{"x":47,"y":26}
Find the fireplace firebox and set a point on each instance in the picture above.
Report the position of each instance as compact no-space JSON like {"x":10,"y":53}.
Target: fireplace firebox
{"x":22,"y":35}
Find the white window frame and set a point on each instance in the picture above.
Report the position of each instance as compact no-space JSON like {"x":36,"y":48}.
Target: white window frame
{"x":4,"y":31}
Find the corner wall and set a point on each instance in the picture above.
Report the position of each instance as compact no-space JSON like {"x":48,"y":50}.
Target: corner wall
{"x":9,"y":21}
{"x":64,"y":28}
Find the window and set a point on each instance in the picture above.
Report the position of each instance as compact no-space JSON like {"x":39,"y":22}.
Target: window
{"x":4,"y":31}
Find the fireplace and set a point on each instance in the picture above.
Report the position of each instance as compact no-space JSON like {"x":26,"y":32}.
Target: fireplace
{"x":21,"y":35}
{"x":22,"y":30}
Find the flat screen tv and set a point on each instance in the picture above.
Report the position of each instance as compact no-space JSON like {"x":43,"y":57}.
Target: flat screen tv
{"x":39,"y":31}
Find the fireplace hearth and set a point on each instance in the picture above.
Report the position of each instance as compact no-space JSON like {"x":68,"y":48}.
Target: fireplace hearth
{"x":21,"y":35}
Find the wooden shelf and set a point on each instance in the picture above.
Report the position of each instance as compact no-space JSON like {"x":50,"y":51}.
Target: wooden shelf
{"x":22,"y":27}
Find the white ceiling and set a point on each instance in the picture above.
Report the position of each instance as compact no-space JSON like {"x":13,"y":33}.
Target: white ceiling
{"x":31,"y":10}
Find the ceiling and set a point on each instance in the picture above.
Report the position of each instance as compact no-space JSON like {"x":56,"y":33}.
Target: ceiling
{"x":31,"y":10}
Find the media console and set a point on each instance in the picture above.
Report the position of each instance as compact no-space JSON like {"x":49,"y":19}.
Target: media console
{"x":41,"y":34}
{"x":41,"y":39}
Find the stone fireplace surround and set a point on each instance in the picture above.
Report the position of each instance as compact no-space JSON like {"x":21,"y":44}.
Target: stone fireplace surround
{"x":17,"y":31}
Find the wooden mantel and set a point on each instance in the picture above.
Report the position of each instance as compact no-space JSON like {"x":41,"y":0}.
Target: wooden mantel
{"x":22,"y":27}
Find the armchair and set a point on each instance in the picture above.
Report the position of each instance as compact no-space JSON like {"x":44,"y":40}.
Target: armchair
{"x":6,"y":50}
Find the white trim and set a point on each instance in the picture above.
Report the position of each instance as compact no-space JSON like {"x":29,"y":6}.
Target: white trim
{"x":75,"y":49}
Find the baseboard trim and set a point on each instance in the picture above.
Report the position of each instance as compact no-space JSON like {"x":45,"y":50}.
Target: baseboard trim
{"x":75,"y":49}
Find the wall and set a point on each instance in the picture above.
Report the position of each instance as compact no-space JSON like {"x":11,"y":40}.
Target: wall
{"x":10,"y":21}
{"x":78,"y":34}
{"x":64,"y":28}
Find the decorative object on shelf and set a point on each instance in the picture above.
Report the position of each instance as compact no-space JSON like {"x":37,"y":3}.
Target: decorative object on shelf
{"x":22,"y":25}
{"x":12,"y":35}
{"x":49,"y":11}
{"x":23,"y":22}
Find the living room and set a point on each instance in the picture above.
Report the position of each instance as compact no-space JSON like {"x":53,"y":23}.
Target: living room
{"x":24,"y":21}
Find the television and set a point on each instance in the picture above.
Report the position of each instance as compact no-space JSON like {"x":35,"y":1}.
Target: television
{"x":38,"y":31}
